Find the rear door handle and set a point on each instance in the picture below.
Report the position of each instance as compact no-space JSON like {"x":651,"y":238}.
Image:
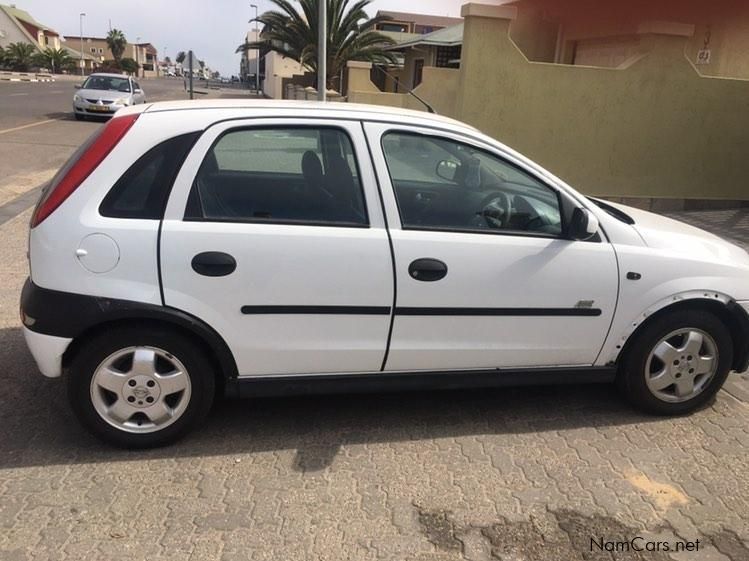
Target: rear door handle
{"x":427,"y":270}
{"x":214,"y":264}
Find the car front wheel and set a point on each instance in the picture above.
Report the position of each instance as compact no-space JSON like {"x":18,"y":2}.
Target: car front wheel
{"x":139,"y":388}
{"x":677,"y":363}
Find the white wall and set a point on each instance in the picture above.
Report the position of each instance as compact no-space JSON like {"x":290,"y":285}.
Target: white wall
{"x":277,"y":68}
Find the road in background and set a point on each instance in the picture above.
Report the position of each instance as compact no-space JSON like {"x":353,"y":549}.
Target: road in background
{"x":38,"y":131}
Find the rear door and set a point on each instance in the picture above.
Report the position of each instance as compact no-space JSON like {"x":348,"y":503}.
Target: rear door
{"x":274,"y":236}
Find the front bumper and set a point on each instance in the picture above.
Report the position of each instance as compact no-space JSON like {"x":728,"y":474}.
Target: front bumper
{"x":47,"y":351}
{"x":83,"y":108}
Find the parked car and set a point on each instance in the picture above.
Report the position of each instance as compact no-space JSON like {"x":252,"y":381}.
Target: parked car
{"x":105,"y":94}
{"x":258,"y":247}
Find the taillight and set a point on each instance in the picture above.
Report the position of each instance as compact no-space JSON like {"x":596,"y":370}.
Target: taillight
{"x":80,"y":166}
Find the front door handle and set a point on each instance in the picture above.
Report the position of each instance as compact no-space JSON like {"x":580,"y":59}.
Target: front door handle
{"x":427,"y":270}
{"x":214,"y":264}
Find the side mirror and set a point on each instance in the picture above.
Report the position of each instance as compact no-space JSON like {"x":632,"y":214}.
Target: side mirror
{"x":77,"y":86}
{"x":447,"y":169}
{"x":584,"y":225}
{"x":138,"y":91}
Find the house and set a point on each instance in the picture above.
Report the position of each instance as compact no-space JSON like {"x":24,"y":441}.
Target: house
{"x":144,"y":54}
{"x":419,"y":24}
{"x":409,"y":30}
{"x":16,"y":26}
{"x":440,"y":49}
{"x":608,"y":34}
{"x":248,"y":63}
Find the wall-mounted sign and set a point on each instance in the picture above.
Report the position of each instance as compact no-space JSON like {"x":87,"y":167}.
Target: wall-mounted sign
{"x":703,"y":56}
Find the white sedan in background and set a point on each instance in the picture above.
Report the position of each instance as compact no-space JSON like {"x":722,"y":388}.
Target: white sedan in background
{"x":266,"y":247}
{"x":105,"y":94}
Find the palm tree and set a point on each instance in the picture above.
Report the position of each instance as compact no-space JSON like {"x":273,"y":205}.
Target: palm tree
{"x":54,"y":59}
{"x":2,"y":57}
{"x":19,"y":56}
{"x":116,"y":42}
{"x":181,"y":57}
{"x":351,"y":34}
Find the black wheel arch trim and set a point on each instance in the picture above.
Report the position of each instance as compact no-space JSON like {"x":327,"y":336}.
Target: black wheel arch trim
{"x":69,"y":315}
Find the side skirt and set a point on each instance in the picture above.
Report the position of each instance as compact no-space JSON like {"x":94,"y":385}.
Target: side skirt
{"x":265,"y":386}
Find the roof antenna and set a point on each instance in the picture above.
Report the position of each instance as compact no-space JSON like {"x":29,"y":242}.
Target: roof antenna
{"x":430,"y":109}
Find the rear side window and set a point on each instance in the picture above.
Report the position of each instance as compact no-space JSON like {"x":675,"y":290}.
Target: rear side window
{"x":143,"y":190}
{"x":280,"y":175}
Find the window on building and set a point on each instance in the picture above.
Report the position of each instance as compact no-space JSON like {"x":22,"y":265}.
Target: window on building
{"x":448,"y":57}
{"x":418,"y":71}
{"x":280,"y":175}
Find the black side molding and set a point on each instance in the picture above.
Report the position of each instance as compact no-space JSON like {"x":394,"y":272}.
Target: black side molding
{"x":64,"y":314}
{"x":261,"y":386}
{"x":405,"y":311}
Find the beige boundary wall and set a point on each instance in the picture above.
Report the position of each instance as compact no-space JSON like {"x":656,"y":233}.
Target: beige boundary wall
{"x":651,"y":128}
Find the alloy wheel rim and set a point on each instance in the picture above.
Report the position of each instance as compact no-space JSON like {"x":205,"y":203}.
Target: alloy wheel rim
{"x":140,"y":389}
{"x":681,"y":365}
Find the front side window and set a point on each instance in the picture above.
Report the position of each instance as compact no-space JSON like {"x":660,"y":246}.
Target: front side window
{"x":442,"y":184}
{"x":283,"y":175}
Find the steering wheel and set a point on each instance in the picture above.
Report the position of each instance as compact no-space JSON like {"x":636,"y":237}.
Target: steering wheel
{"x":495,"y":210}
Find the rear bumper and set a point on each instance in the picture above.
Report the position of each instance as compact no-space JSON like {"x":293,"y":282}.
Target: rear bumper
{"x":47,"y":351}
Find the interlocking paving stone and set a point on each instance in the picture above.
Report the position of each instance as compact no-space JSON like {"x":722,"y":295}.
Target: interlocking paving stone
{"x":526,"y":473}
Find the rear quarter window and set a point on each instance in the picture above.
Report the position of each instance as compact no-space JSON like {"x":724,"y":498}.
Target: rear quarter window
{"x":143,"y":190}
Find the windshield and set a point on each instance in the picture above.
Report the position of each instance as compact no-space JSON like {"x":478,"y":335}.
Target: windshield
{"x":110,"y":83}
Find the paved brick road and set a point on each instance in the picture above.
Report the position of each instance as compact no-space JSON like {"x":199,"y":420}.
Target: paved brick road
{"x":510,"y":474}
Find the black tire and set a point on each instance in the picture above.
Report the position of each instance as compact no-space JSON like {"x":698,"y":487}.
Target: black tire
{"x":79,"y":117}
{"x":631,"y":378}
{"x":95,"y":350}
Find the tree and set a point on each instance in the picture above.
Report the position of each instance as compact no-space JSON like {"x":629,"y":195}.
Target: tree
{"x":54,"y":59}
{"x":167,"y":60}
{"x":2,"y":57}
{"x":19,"y":56}
{"x":351,"y":35}
{"x":181,"y":56}
{"x":129,"y":65}
{"x":116,"y":42}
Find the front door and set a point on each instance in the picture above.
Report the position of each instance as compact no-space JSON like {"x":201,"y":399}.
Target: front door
{"x":484,"y":274}
{"x":275,"y":237}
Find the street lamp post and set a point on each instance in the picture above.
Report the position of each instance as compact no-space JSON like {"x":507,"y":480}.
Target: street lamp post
{"x":257,"y":56}
{"x":322,"y":52}
{"x":81,"y":16}
{"x":137,"y":57}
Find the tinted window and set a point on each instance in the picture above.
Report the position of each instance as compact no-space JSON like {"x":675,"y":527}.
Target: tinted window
{"x":288,"y":175}
{"x":446,"y":185}
{"x":143,"y":190}
{"x":110,"y":83}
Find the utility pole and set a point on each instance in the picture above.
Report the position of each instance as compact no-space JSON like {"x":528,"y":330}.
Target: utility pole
{"x":81,"y":16}
{"x":322,"y":51}
{"x":137,"y":57}
{"x":257,"y":56}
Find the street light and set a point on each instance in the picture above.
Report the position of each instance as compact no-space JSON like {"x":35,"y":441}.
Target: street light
{"x":81,"y":16}
{"x":257,"y":57}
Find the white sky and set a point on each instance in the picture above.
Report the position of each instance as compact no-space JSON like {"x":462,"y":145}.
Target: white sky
{"x":211,"y":28}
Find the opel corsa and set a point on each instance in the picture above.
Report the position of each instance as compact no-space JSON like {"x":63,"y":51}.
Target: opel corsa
{"x":253,"y":248}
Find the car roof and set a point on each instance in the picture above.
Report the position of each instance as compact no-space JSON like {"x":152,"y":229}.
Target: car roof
{"x":307,"y":108}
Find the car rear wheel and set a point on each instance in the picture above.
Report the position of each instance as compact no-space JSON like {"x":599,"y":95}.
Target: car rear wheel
{"x":140,"y":387}
{"x":677,"y":363}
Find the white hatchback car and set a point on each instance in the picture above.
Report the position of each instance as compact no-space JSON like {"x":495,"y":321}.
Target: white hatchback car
{"x":261,"y":247}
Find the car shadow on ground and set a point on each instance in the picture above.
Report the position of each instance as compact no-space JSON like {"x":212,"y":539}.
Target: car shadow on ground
{"x":39,"y":428}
